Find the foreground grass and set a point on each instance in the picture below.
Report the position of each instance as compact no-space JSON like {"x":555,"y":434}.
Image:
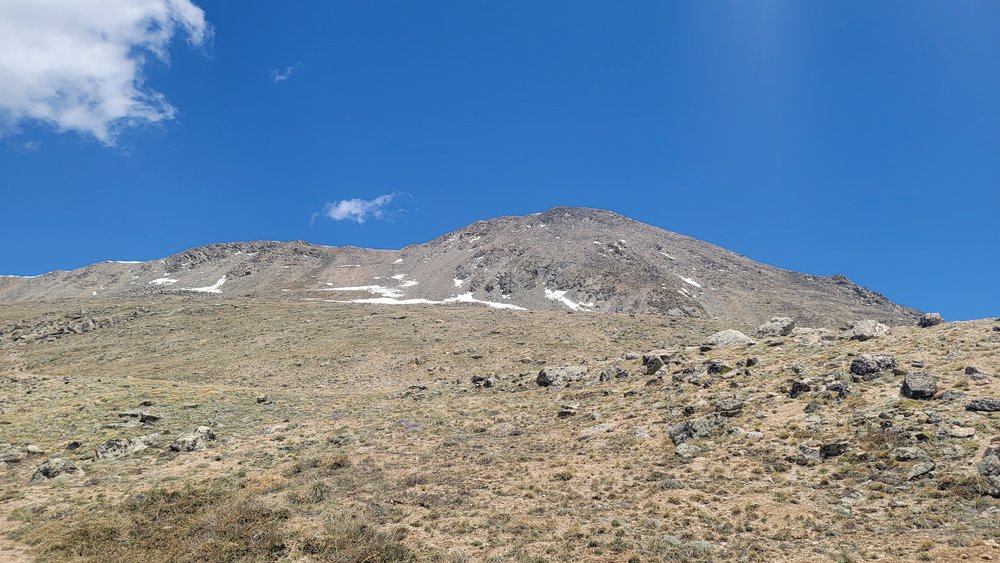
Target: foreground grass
{"x":267,"y":518}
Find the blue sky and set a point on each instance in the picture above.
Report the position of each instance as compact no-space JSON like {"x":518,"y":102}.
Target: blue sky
{"x":860,"y":138}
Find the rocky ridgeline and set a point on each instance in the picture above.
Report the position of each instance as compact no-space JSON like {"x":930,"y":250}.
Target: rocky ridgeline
{"x":928,"y":434}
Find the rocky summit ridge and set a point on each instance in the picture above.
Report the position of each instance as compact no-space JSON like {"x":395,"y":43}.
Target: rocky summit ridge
{"x":567,"y":258}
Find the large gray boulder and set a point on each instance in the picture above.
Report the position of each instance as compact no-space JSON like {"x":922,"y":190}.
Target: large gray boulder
{"x":561,"y":376}
{"x":727,"y":338}
{"x":866,"y":330}
{"x":866,"y":367}
{"x":984,"y":405}
{"x":918,"y":385}
{"x":777,"y":326}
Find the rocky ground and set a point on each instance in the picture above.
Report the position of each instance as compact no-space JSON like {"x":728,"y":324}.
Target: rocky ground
{"x":207,"y":428}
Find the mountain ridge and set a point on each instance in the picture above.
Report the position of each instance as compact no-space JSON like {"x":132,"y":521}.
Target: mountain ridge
{"x":570,"y":258}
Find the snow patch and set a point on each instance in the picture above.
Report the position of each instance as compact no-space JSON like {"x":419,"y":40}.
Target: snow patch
{"x":667,"y":255}
{"x":463,"y":298}
{"x":458,"y":282}
{"x":398,"y":276}
{"x":468,"y":298}
{"x":689,"y":281}
{"x":214,"y":288}
{"x":560,"y":295}
{"x":350,"y":266}
{"x":126,"y":261}
{"x":373,"y":289}
{"x":409,"y":283}
{"x":398,"y":261}
{"x":163,"y":281}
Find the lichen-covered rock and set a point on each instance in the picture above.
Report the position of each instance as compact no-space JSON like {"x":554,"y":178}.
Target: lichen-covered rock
{"x":729,"y":407}
{"x":118,"y":448}
{"x":777,"y":326}
{"x":866,"y":330}
{"x":984,"y":405}
{"x":918,"y":385}
{"x":989,"y":469}
{"x":866,"y":367}
{"x":562,"y":376}
{"x":702,"y":427}
{"x":193,"y":441}
{"x":55,"y":468}
{"x":727,"y":338}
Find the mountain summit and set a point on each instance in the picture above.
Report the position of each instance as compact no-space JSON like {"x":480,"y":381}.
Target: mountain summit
{"x":566,"y":258}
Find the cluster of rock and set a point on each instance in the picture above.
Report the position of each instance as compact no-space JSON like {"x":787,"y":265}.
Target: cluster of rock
{"x":80,"y":322}
{"x":698,"y":429}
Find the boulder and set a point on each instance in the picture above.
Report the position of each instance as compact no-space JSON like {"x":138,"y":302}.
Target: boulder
{"x":866,"y":367}
{"x":717,"y":367}
{"x":729,"y":407}
{"x":930,"y":319}
{"x":918,"y":385}
{"x":568,"y":409}
{"x":687,"y":451}
{"x":984,"y":405}
{"x":118,"y":448}
{"x":832,"y":449}
{"x":989,"y":469}
{"x":560,"y":376}
{"x":702,"y":427}
{"x":798,"y":387}
{"x":976,"y":375}
{"x":193,"y":441}
{"x":13,"y":455}
{"x":727,"y":338}
{"x":777,"y":326}
{"x":613,"y":373}
{"x":483,"y":381}
{"x":55,"y":468}
{"x":866,"y":330}
{"x":909,"y":453}
{"x":920,"y":469}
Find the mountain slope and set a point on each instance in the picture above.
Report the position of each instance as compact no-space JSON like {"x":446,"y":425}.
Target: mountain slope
{"x":566,"y":258}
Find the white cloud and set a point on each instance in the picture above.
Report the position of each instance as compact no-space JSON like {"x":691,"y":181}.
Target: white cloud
{"x":279,"y":75}
{"x":357,"y":209}
{"x":78,"y":64}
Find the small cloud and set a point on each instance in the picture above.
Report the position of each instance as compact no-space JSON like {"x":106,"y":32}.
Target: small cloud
{"x":281,"y":75}
{"x":359,"y":210}
{"x":30,"y":146}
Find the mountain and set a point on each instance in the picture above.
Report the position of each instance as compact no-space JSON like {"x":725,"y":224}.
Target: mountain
{"x":564,"y":259}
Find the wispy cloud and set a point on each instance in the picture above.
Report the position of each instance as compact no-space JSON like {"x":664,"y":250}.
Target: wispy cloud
{"x":77,"y":65}
{"x":281,"y":75}
{"x":359,"y":210}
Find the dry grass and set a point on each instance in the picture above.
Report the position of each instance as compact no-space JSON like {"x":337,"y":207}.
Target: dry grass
{"x":216,"y":521}
{"x":377,"y":446}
